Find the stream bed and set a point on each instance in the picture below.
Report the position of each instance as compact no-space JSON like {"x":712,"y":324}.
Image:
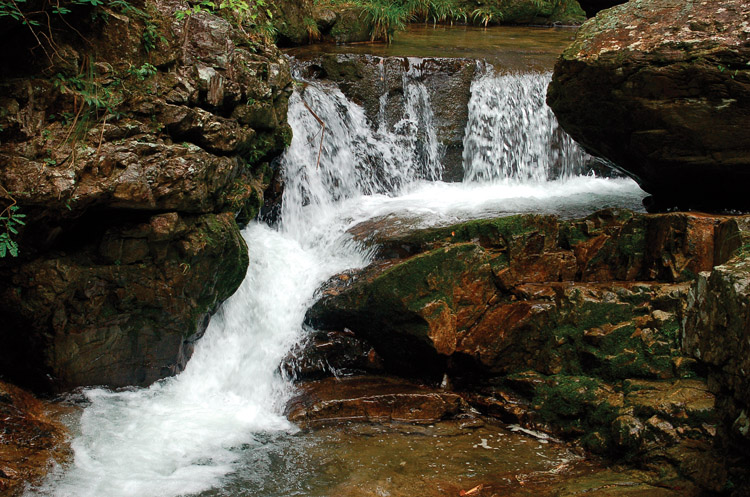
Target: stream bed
{"x":218,"y":428}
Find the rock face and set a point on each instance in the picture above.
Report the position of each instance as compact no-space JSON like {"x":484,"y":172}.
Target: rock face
{"x":571,"y":326}
{"x":384,"y":86}
{"x":717,"y":332}
{"x":130,"y":194}
{"x":662,"y":89}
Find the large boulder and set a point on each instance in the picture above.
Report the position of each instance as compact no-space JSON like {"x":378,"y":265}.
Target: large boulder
{"x":662,"y":89}
{"x":572,"y":326}
{"x":130,"y":165}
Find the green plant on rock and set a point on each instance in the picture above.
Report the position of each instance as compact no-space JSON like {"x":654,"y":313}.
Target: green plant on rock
{"x":10,"y":219}
{"x":385,"y":17}
{"x":254,"y":15}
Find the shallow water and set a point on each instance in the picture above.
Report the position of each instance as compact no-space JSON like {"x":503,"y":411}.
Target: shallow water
{"x":508,"y":48}
{"x":358,"y":460}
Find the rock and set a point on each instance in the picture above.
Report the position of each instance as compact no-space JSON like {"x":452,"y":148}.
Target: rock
{"x":421,"y":304}
{"x":717,"y":333}
{"x":663,"y":90}
{"x":331,"y":353}
{"x":371,"y":399}
{"x":602,"y":294}
{"x":125,"y":308}
{"x":130,"y":240}
{"x":31,"y":439}
{"x":570,"y":326}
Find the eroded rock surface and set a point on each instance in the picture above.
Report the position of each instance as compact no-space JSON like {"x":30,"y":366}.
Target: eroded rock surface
{"x":372,"y":399}
{"x":571,"y":326}
{"x":30,"y":439}
{"x":662,"y":89}
{"x":129,"y":159}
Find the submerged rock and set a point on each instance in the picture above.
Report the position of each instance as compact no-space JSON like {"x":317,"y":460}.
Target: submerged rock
{"x":662,"y":89}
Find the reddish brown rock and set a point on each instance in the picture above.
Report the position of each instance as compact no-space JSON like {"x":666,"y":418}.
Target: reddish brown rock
{"x":31,"y":439}
{"x":371,"y":399}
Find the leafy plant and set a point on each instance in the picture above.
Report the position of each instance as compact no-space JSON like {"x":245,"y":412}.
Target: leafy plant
{"x":313,"y":32}
{"x":385,"y":17}
{"x":11,"y":219}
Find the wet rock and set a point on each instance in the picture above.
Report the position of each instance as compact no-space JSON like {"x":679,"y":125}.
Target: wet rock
{"x":125,"y":308}
{"x":331,"y":353}
{"x":663,"y":91}
{"x":371,"y":399}
{"x":578,"y":330}
{"x":603,"y":294}
{"x":367,"y":80}
{"x":30,"y":439}
{"x":130,"y":241}
{"x":412,"y":313}
{"x":716,"y":334}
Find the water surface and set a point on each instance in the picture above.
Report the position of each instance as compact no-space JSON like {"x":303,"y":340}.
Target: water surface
{"x":510,"y":48}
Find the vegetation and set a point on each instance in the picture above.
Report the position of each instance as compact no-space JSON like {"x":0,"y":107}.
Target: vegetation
{"x":10,"y":219}
{"x":249,"y":15}
{"x":386,"y":17}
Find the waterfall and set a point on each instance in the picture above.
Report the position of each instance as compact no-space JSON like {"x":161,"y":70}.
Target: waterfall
{"x":513,"y":136}
{"x":187,"y":434}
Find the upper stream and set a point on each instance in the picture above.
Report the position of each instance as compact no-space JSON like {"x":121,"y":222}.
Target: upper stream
{"x":218,"y":428}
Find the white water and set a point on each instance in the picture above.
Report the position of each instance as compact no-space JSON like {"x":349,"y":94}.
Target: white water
{"x":184,"y":435}
{"x":513,"y":135}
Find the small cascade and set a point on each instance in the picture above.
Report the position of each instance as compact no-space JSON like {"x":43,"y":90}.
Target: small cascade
{"x":195,"y":432}
{"x":355,"y":157}
{"x":513,"y":136}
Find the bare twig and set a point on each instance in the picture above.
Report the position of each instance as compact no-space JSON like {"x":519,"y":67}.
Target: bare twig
{"x":322,"y":131}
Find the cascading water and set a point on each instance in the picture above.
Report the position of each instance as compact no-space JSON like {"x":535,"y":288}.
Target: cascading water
{"x":186,"y":434}
{"x":513,"y":136}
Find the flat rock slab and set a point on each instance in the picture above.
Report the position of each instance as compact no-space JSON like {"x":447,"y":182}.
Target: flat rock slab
{"x":371,"y":399}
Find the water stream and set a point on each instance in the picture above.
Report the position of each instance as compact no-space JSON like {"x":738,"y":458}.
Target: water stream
{"x":217,"y":428}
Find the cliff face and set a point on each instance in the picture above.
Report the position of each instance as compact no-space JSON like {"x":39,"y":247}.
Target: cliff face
{"x":129,"y":149}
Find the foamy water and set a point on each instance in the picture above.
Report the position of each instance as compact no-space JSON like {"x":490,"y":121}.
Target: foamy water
{"x":185,"y":434}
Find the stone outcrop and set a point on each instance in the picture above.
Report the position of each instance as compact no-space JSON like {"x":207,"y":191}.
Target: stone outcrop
{"x":129,"y":165}
{"x":662,"y":89}
{"x":717,"y":333}
{"x":569,"y":326}
{"x":367,"y":79}
{"x":31,"y":439}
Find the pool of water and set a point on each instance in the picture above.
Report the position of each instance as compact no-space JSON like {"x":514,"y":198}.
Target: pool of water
{"x":399,"y":460}
{"x":506,"y":47}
